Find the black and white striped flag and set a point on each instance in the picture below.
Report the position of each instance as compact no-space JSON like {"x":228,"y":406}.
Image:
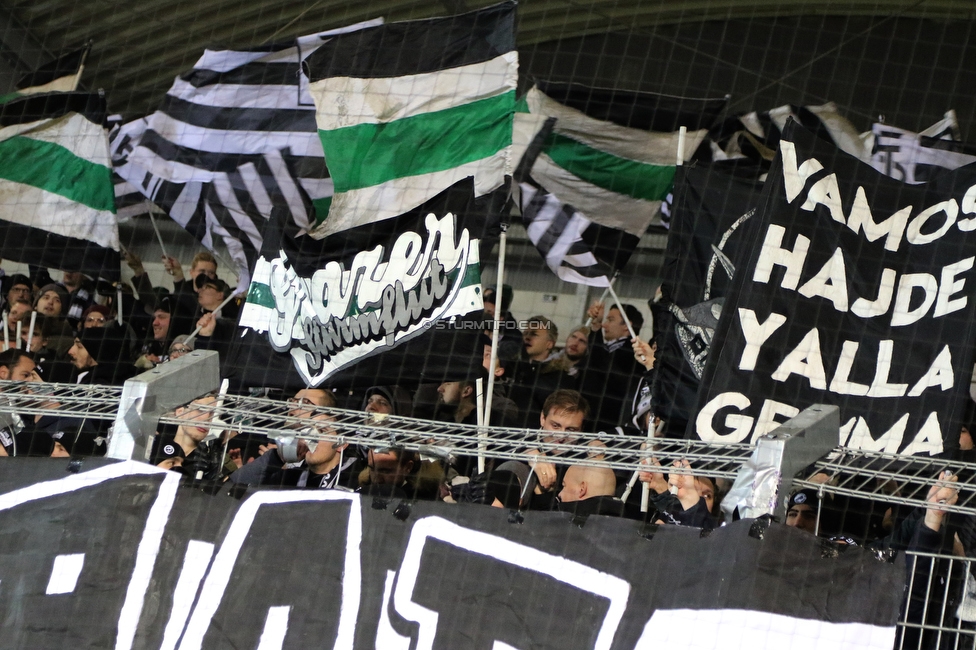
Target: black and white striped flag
{"x":575,"y":248}
{"x":230,"y":110}
{"x":757,"y":134}
{"x":917,"y":157}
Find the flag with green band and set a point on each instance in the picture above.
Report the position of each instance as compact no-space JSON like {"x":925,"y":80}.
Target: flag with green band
{"x":617,"y":176}
{"x":57,"y":203}
{"x":405,"y":110}
{"x":390,"y":303}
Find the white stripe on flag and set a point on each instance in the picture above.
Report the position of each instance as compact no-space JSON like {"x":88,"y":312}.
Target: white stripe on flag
{"x":393,"y":198}
{"x":31,"y":206}
{"x":225,"y":95}
{"x":632,"y":144}
{"x":382,"y":100}
{"x":739,"y":629}
{"x":73,"y":132}
{"x":205,"y":138}
{"x":601,"y":206}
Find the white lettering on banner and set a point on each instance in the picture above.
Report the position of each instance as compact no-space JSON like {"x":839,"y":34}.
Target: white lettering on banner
{"x":756,"y":334}
{"x":826,"y":192}
{"x":772,"y":415}
{"x":855,"y":433}
{"x":224,"y":564}
{"x":340,"y":315}
{"x":940,"y":296}
{"x":830,"y":282}
{"x":615,"y":589}
{"x":152,"y":535}
{"x":773,"y":254}
{"x":741,"y":629}
{"x":740,"y":424}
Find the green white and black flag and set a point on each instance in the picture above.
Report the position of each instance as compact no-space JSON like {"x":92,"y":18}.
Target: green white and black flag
{"x":380,"y":303}
{"x":57,"y":207}
{"x":230,"y":110}
{"x":406,"y":110}
{"x":617,"y":176}
{"x":576,"y":249}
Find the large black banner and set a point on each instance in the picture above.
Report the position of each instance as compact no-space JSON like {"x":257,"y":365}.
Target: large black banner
{"x":121,"y":555}
{"x":711,"y":219}
{"x":859,"y":292}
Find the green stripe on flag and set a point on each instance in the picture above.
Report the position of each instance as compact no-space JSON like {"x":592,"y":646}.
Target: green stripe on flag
{"x":366,"y":155}
{"x":54,"y":169}
{"x":260,"y":294}
{"x":321,"y":209}
{"x":629,"y":177}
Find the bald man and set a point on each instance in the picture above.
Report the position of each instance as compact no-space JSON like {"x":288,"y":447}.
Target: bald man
{"x":590,"y":491}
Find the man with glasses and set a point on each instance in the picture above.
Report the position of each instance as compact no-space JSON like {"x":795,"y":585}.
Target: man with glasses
{"x":304,"y":462}
{"x":180,"y":346}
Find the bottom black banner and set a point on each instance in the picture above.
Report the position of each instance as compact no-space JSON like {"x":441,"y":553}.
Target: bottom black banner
{"x":121,"y":555}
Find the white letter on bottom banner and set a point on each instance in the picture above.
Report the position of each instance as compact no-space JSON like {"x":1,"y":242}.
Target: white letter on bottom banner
{"x":742,"y":629}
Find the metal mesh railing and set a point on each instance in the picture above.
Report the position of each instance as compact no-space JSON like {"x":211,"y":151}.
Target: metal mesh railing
{"x":93,"y":402}
{"x":275,"y":418}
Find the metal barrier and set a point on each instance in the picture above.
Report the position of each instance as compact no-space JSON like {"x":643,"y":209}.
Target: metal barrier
{"x":941,"y":598}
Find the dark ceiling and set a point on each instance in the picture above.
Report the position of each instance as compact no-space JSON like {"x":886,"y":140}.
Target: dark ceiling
{"x":141,"y":45}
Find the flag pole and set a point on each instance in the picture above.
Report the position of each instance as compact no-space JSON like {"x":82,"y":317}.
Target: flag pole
{"x":603,"y":297}
{"x":479,"y":387}
{"x":6,"y":333}
{"x":194,"y":333}
{"x":158,"y":236}
{"x":623,"y":314}
{"x":682,"y":134}
{"x":18,"y":335}
{"x":30,"y":332}
{"x":502,"y":241}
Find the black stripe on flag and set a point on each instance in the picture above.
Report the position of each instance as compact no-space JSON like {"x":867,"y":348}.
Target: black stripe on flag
{"x":604,"y":249}
{"x":249,"y":74}
{"x":63,"y":66}
{"x":50,"y":105}
{"x":28,"y":245}
{"x":238,"y":119}
{"x":220,"y":161}
{"x":637,"y":110}
{"x":418,"y":46}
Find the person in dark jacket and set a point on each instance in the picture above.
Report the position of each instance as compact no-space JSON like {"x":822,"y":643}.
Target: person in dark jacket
{"x":323,"y":464}
{"x":97,"y":355}
{"x":691,"y":503}
{"x":610,"y":374}
{"x":589,"y":490}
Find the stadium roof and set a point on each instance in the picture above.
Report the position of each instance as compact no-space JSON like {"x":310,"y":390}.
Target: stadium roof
{"x":140,"y":45}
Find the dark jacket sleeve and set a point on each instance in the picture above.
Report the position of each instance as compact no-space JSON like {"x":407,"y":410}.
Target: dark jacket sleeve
{"x":673,"y":512}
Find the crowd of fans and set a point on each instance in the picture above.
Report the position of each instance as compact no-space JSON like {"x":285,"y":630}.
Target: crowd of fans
{"x":73,"y":331}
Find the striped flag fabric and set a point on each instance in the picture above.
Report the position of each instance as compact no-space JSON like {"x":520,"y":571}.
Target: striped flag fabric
{"x":757,"y":134}
{"x":615,"y":175}
{"x":60,"y":75}
{"x":576,"y":249}
{"x":406,"y":110}
{"x":57,"y":207}
{"x":916,"y":157}
{"x":230,"y":109}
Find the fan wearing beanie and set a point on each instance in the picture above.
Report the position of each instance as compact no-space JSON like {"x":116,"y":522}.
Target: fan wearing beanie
{"x":96,"y":354}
